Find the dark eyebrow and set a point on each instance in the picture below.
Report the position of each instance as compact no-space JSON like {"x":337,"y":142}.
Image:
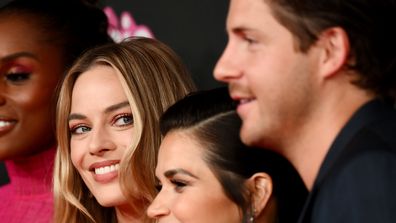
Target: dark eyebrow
{"x":19,"y":54}
{"x":107,"y":110}
{"x":171,"y":173}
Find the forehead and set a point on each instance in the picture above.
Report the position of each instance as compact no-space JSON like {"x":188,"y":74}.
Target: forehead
{"x":97,"y":77}
{"x":181,"y":141}
{"x":18,"y":31}
{"x":247,"y":13}
{"x":99,"y":85}
{"x":180,"y":148}
{"x":20,"y":34}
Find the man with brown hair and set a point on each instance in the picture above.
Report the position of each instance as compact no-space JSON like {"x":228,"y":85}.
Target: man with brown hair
{"x":315,"y":81}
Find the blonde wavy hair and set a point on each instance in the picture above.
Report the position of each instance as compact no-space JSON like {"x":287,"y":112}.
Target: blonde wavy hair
{"x":153,"y":78}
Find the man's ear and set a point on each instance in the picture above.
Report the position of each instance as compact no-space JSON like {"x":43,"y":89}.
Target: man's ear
{"x":260,"y":187}
{"x":335,"y":48}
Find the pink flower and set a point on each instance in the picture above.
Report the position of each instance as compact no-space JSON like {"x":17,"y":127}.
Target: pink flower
{"x":125,"y":27}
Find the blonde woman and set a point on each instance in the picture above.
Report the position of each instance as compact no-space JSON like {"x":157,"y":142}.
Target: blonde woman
{"x":107,"y":129}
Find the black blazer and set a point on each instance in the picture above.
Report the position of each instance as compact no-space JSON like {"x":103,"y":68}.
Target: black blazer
{"x":357,"y":180}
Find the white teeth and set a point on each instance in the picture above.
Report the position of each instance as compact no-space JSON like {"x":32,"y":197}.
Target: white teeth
{"x":107,"y":169}
{"x":4,"y":124}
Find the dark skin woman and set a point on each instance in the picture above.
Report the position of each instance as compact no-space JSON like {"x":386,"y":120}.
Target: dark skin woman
{"x":39,"y":40}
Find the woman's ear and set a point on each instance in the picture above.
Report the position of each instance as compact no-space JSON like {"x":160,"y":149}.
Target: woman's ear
{"x":260,"y":187}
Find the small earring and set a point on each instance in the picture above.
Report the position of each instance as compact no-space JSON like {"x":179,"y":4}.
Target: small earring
{"x":252,"y":214}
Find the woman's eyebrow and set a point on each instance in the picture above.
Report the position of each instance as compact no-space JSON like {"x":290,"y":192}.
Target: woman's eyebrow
{"x":171,"y":173}
{"x":116,"y":106}
{"x":77,"y":116}
{"x":17,"y":55}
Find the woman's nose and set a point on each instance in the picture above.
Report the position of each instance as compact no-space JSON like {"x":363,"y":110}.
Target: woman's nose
{"x":158,"y":208}
{"x":100,"y":142}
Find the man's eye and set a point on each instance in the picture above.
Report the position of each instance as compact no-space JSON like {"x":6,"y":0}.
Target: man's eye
{"x":123,"y":120}
{"x":249,"y":40}
{"x":17,"y":77}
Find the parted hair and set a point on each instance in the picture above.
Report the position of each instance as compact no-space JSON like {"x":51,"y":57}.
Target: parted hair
{"x":209,"y":117}
{"x":153,"y":78}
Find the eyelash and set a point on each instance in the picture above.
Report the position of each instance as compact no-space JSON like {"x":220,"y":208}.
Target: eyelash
{"x":249,"y":40}
{"x":18,"y":77}
{"x":73,"y":130}
{"x":179,"y":185}
{"x":122,"y":116}
{"x":158,"y":186}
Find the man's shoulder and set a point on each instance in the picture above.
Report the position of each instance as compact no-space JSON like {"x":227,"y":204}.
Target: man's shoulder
{"x":369,"y":153}
{"x":381,"y":130}
{"x":359,"y":185}
{"x":375,"y":138}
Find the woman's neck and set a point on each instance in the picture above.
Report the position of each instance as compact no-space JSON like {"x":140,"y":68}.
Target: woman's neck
{"x":126,"y":213}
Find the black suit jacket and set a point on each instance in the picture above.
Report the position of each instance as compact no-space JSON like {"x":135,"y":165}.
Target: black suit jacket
{"x":357,"y":180}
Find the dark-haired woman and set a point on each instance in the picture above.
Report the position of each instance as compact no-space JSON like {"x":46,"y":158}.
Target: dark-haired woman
{"x":207,"y":175}
{"x":38,"y":42}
